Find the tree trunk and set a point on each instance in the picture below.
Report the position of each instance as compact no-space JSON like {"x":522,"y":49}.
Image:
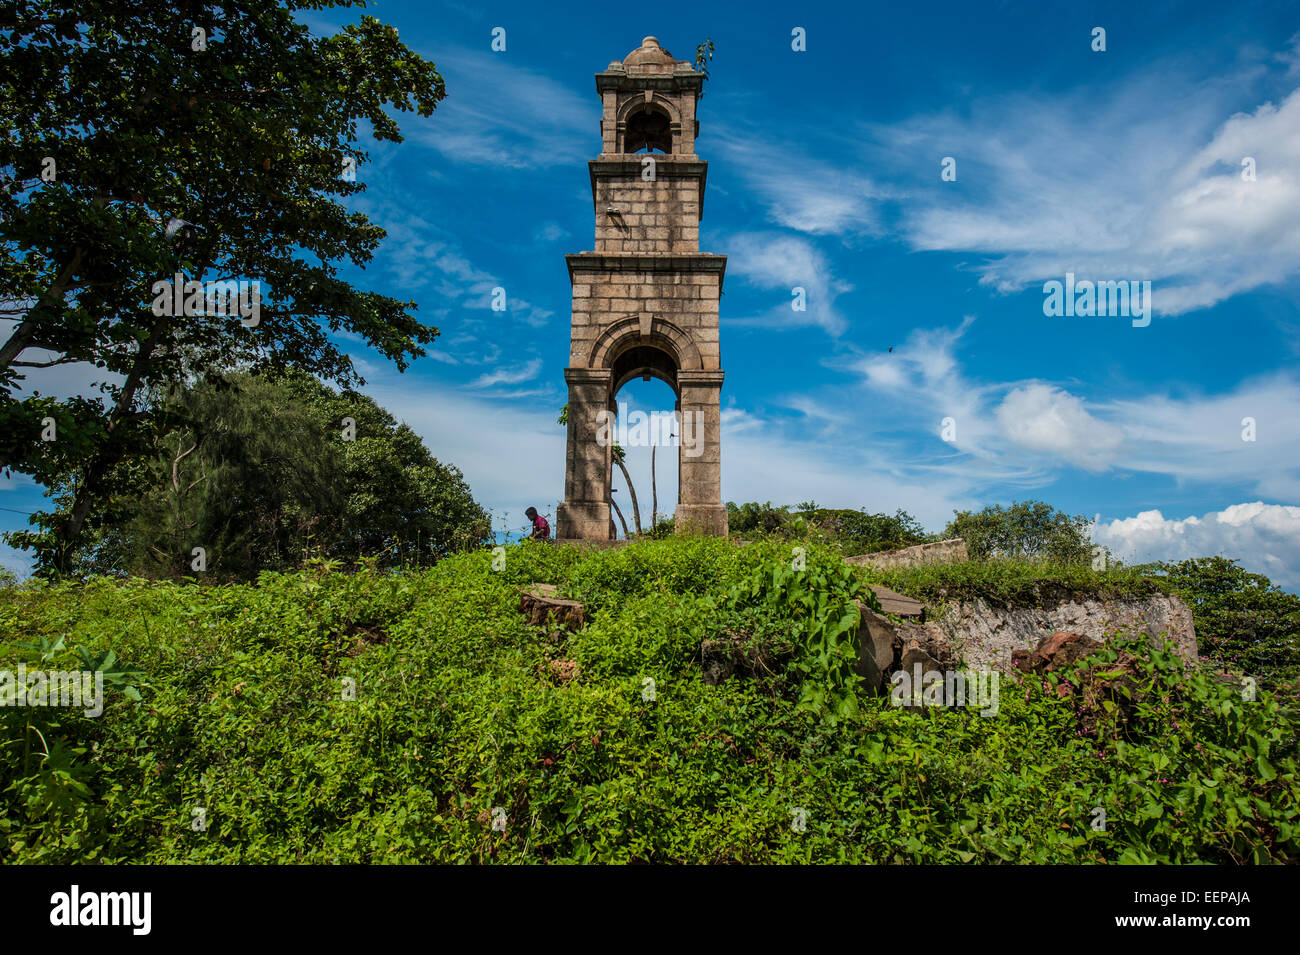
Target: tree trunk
{"x":614,"y":504}
{"x":102,"y":462}
{"x":636,"y":511}
{"x":25,"y":331}
{"x":654,"y":490}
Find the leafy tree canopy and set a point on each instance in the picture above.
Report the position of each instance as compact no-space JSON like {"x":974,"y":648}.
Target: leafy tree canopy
{"x":1243,"y":620}
{"x":1027,"y":530}
{"x":215,"y":140}
{"x":262,"y":472}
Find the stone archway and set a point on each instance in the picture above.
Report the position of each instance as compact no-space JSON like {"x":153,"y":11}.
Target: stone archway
{"x":645,"y":301}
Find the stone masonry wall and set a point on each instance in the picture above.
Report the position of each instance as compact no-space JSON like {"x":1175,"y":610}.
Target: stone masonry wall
{"x":985,"y":636}
{"x":941,"y":552}
{"x":688,"y":301}
{"x":658,"y":216}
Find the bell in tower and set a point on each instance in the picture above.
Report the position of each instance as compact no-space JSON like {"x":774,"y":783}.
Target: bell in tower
{"x":645,"y":301}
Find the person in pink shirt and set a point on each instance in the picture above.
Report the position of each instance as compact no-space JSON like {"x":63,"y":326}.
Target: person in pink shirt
{"x":541,"y":529}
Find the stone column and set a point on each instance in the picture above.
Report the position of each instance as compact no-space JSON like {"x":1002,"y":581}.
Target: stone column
{"x":699,"y":469}
{"x":585,"y":513}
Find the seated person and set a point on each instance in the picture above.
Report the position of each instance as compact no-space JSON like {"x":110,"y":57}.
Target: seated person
{"x":541,"y":529}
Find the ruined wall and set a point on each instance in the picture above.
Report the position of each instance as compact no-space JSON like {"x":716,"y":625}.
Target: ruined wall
{"x":941,"y":552}
{"x":985,"y":636}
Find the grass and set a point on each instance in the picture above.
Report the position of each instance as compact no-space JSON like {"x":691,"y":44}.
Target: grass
{"x":335,"y":715}
{"x":1013,"y":583}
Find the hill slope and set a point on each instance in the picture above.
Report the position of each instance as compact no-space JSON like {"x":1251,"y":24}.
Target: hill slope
{"x":326,"y":716}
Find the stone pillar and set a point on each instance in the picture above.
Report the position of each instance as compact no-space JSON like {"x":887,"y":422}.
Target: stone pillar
{"x":585,"y":513}
{"x":645,"y":299}
{"x":699,"y":469}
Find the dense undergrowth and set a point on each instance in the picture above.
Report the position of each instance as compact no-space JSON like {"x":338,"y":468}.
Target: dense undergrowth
{"x":1015,"y":583}
{"x":244,"y":745}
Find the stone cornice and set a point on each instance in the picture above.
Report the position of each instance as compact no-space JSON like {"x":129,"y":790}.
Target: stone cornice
{"x":683,"y":77}
{"x":587,"y":376}
{"x":684,"y":262}
{"x":707,"y":378}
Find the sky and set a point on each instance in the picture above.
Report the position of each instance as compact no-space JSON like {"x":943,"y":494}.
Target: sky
{"x":924,"y":373}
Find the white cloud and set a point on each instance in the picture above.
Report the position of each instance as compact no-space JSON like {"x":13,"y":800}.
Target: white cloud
{"x":764,"y":461}
{"x":1290,"y":57}
{"x":550,"y":232}
{"x":1265,"y":538}
{"x":1139,"y":182}
{"x":16,"y":561}
{"x":509,"y":376}
{"x":75,"y":379}
{"x":1199,"y":438}
{"x":418,"y":252}
{"x":1023,"y":431}
{"x":498,"y":113}
{"x":918,"y":384}
{"x":802,"y":193}
{"x":13,"y":481}
{"x":771,"y":260}
{"x":792,"y":459}
{"x":1043,"y":418}
{"x":511,"y":455}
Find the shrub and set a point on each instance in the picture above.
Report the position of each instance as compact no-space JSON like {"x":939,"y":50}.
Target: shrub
{"x":319,"y":716}
{"x":1027,"y":530}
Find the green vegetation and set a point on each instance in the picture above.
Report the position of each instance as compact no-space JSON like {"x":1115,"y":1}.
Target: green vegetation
{"x":1243,"y":621}
{"x":851,"y":532}
{"x":1013,"y":583}
{"x":1030,"y":552}
{"x":1027,"y":530}
{"x":224,"y":142}
{"x":460,"y":708}
{"x":263,"y":471}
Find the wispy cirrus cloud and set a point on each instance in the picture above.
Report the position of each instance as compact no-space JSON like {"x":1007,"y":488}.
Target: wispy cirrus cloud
{"x":801,"y":192}
{"x":501,"y":113}
{"x":782,"y":263}
{"x":420,"y":255}
{"x":509,"y":376}
{"x":1141,"y":180}
{"x":1025,"y":431}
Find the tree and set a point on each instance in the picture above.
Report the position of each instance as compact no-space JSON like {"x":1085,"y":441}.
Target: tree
{"x":860,"y":533}
{"x":1243,"y":620}
{"x":755,"y":517}
{"x":262,"y":471}
{"x":857,"y":532}
{"x":654,"y":488}
{"x":619,"y":512}
{"x":618,"y":457}
{"x":1027,"y":530}
{"x":150,"y":139}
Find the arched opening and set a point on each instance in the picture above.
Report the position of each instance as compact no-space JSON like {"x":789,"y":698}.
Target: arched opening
{"x":648,"y":128}
{"x":642,"y":361}
{"x":647,"y":431}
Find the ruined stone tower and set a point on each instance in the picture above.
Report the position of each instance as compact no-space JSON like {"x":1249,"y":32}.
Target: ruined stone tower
{"x":645,"y":301}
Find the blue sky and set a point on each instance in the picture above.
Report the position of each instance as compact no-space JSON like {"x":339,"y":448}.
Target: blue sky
{"x":825,"y":173}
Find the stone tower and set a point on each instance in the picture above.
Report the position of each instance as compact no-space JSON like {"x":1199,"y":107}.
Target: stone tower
{"x":645,"y":301}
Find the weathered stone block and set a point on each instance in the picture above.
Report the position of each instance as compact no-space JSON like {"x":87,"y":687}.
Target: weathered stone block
{"x":543,"y":608}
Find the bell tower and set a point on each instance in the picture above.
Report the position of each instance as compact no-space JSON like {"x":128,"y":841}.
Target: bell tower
{"x":645,"y":301}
